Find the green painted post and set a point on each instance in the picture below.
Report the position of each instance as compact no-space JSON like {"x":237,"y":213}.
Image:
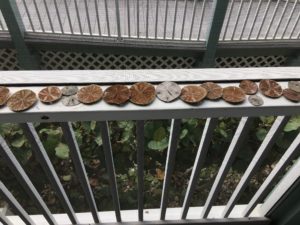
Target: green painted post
{"x":219,"y":12}
{"x":27,"y":59}
{"x":293,"y":60}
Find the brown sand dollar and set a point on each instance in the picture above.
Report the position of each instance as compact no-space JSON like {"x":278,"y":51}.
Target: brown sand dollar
{"x":249,"y":87}
{"x":233,"y":94}
{"x":270,"y":88}
{"x":168,"y":91}
{"x":4,"y":94}
{"x":50,"y":94}
{"x":291,"y":95}
{"x":255,"y":100}
{"x":193,"y":94}
{"x":214,"y":91}
{"x":90,"y":94}
{"x":294,"y":85}
{"x":116,"y":94}
{"x":22,"y":100}
{"x":142,"y":93}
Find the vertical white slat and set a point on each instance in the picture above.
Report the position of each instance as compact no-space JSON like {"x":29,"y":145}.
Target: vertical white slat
{"x":166,"y":17}
{"x":88,"y":17}
{"x":28,"y":15}
{"x":48,"y":15}
{"x":156,"y":18}
{"x":147,"y":18}
{"x":98,"y":17}
{"x":128,"y":17}
{"x":294,"y":26}
{"x":175,"y":19}
{"x":183,"y":19}
{"x":246,"y":19}
{"x":254,"y":20}
{"x":107,"y":18}
{"x":59,"y":17}
{"x":117,"y":8}
{"x":78,"y":17}
{"x":258,"y":158}
{"x":237,"y":19}
{"x":272,"y":19}
{"x":281,"y":18}
{"x":263,"y":19}
{"x":39,"y":15}
{"x":235,"y":145}
{"x":290,"y":153}
{"x":201,"y":19}
{"x":68,"y":16}
{"x":289,"y":19}
{"x":228,"y":19}
{"x":193,"y":19}
{"x":138,"y":18}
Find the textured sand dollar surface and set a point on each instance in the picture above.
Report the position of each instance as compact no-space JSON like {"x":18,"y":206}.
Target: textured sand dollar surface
{"x":168,"y":91}
{"x":270,"y":88}
{"x":193,"y":94}
{"x":291,"y":95}
{"x":142,"y":93}
{"x":50,"y":94}
{"x":256,"y":100}
{"x":4,"y":95}
{"x":214,"y":91}
{"x":294,"y":85}
{"x":249,"y":87}
{"x":90,"y":94}
{"x":233,"y":94}
{"x":70,"y":100}
{"x":69,"y":90}
{"x":116,"y":94}
{"x":22,"y":100}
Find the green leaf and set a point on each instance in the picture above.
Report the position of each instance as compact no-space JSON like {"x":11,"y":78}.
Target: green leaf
{"x":261,"y":134}
{"x":126,"y":124}
{"x":223,"y":133}
{"x":293,"y":124}
{"x":183,"y":133}
{"x":98,"y":140}
{"x":158,"y":145}
{"x":267,"y":119}
{"x":93,"y":125}
{"x":62,"y":151}
{"x":159,"y":134}
{"x":67,"y":177}
{"x":19,"y":142}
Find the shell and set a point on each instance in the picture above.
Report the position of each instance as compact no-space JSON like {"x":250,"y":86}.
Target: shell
{"x":22,"y":100}
{"x":291,"y":95}
{"x":193,"y":94}
{"x":90,"y":94}
{"x":255,"y":100}
{"x":4,"y":95}
{"x":270,"y":88}
{"x":50,"y":94}
{"x":116,"y":94}
{"x":214,"y":91}
{"x":233,"y":94}
{"x":70,"y":100}
{"x":168,"y":91}
{"x":142,"y":93}
{"x":249,"y":87}
{"x":69,"y":90}
{"x":294,"y":85}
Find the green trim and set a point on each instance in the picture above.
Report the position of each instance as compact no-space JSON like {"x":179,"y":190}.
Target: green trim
{"x":294,"y":59}
{"x":27,"y":59}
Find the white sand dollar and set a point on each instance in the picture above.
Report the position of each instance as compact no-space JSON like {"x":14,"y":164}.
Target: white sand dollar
{"x":168,"y":91}
{"x":255,"y":100}
{"x":69,"y":90}
{"x":294,"y":85}
{"x":70,"y":100}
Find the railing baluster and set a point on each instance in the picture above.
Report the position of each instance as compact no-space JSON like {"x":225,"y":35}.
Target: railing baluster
{"x":128,"y":17}
{"x":140,"y":166}
{"x":88,"y":17}
{"x":110,"y":168}
{"x":172,"y":147}
{"x":118,"y":18}
{"x":289,"y":19}
{"x":290,"y":153}
{"x":254,"y":20}
{"x":237,"y":19}
{"x":193,"y":19}
{"x":138,"y":18}
{"x":39,"y":15}
{"x":294,"y":26}
{"x":228,"y":19}
{"x":107,"y":17}
{"x":97,"y":16}
{"x":70,"y":139}
{"x":40,"y":153}
{"x":260,"y":155}
{"x":28,"y":15}
{"x":68,"y":15}
{"x":78,"y":17}
{"x":183,"y":19}
{"x":280,"y":20}
{"x":48,"y":16}
{"x":15,"y":205}
{"x":235,"y":145}
{"x":263,"y":19}
{"x":59,"y":18}
{"x":246,"y":19}
{"x":147,"y":18}
{"x":26,"y":183}
{"x":166,"y":17}
{"x":272,"y":19}
{"x":4,"y":220}
{"x":1,"y":24}
{"x":201,"y":19}
{"x":174,"y":19}
{"x":210,"y":125}
{"x":156,"y":18}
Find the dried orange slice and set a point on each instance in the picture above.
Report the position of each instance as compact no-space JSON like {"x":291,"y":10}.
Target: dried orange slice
{"x":90,"y":94}
{"x":50,"y":94}
{"x":116,"y":94}
{"x":233,"y":94}
{"x":270,"y":88}
{"x":193,"y":94}
{"x":142,"y":93}
{"x":249,"y":87}
{"x":4,"y":94}
{"x":22,"y":100}
{"x":214,"y":91}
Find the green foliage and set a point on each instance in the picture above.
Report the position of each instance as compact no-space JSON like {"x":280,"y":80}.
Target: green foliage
{"x":293,"y":124}
{"x":62,"y":151}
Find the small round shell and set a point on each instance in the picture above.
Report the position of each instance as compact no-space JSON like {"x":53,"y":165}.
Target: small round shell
{"x":90,"y":94}
{"x":255,"y":100}
{"x":70,"y":100}
{"x":193,"y":94}
{"x":50,"y":94}
{"x":270,"y":88}
{"x":214,"y":91}
{"x":233,"y":94}
{"x":4,"y":95}
{"x":249,"y":87}
{"x":69,"y":90}
{"x":22,"y":100}
{"x":168,"y":91}
{"x":116,"y":94}
{"x":142,"y":93}
{"x":294,"y":85}
{"x":291,"y":95}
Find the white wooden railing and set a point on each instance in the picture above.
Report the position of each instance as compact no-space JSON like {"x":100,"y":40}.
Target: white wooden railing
{"x":254,"y":212}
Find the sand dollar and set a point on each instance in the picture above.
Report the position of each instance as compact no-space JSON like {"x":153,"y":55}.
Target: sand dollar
{"x":270,"y":88}
{"x":22,"y":100}
{"x":233,"y":94}
{"x":70,"y":100}
{"x":249,"y":87}
{"x":291,"y":95}
{"x":4,"y":95}
{"x":90,"y":94}
{"x":50,"y":94}
{"x":193,"y":94}
{"x":214,"y":91}
{"x":116,"y":94}
{"x":168,"y":91}
{"x":255,"y":100}
{"x":294,"y":85}
{"x":69,"y":90}
{"x":142,"y":93}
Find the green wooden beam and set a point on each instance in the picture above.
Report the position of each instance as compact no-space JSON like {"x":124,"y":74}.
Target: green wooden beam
{"x":28,"y":60}
{"x":219,"y":12}
{"x":294,"y":60}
